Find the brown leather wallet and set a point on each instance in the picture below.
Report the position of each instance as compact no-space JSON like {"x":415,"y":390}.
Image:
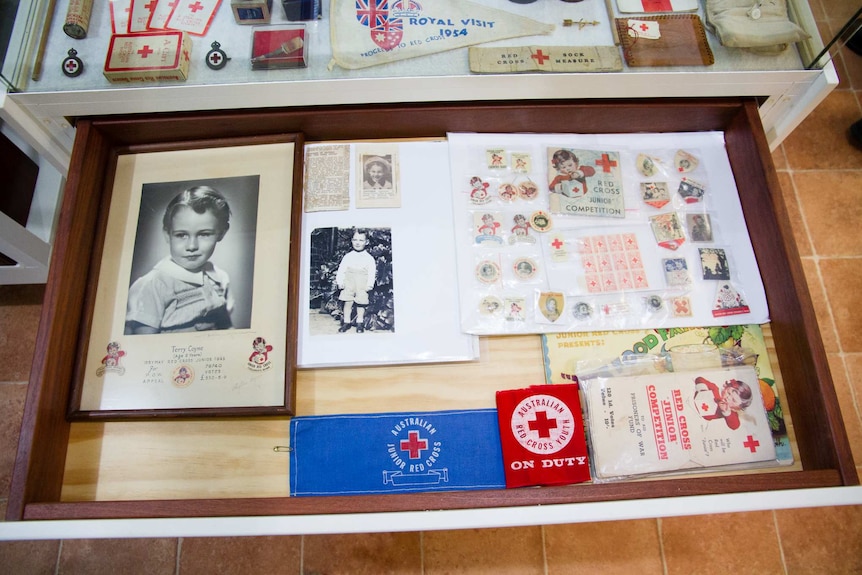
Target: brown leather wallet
{"x":682,"y":43}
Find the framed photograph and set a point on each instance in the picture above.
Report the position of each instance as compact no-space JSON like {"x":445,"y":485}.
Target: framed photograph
{"x":194,"y":310}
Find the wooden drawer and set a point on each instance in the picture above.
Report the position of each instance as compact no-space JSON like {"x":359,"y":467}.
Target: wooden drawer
{"x":112,"y":471}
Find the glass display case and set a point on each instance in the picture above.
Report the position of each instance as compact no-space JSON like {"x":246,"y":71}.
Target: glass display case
{"x":343,"y":65}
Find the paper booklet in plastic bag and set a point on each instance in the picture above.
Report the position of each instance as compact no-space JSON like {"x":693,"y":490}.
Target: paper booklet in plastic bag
{"x":698,"y":420}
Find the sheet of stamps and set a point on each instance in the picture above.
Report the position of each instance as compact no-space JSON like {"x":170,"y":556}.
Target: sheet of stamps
{"x":624,"y":230}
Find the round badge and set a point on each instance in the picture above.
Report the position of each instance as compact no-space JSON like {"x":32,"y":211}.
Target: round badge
{"x":508,"y":192}
{"x":528,"y":190}
{"x":488,"y":272}
{"x":72,"y":65}
{"x":490,"y":305}
{"x":543,"y":424}
{"x":525,"y":268}
{"x":654,"y":303}
{"x":183,"y":376}
{"x":582,"y":310}
{"x":540,"y":221}
{"x":216,"y":58}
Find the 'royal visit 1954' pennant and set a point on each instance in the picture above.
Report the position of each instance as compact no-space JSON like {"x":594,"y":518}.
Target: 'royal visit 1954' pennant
{"x":366,"y":33}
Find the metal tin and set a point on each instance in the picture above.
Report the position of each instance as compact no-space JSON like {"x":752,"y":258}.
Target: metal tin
{"x":78,"y":18}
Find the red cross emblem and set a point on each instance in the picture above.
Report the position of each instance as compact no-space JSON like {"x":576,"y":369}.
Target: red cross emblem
{"x":751,"y":444}
{"x":195,"y":7}
{"x":542,"y":424}
{"x":557,"y":244}
{"x":145,"y":51}
{"x":413,"y":445}
{"x":606,"y":163}
{"x":681,"y":306}
{"x":540,"y":57}
{"x":151,"y":5}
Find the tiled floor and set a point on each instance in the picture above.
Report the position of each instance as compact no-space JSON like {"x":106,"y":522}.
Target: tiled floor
{"x":821,"y":176}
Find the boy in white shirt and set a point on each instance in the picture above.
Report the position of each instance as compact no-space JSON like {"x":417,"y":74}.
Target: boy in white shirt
{"x":355,"y":277}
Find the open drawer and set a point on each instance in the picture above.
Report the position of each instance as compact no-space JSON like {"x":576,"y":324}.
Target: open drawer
{"x":227,"y":467}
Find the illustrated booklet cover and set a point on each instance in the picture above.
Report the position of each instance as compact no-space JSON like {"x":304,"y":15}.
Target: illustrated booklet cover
{"x":647,"y":424}
{"x":564,"y":352}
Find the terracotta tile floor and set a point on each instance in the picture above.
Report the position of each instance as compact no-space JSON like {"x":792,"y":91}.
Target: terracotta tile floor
{"x":816,"y":158}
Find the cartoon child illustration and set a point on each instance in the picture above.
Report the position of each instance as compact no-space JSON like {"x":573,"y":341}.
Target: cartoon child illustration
{"x":521,"y":227}
{"x":182,"y":377}
{"x":355,"y":277}
{"x":114,"y":355}
{"x":508,"y":192}
{"x":260,"y":355}
{"x":489,"y":226}
{"x":726,"y":403}
{"x":185,"y":291}
{"x":571,"y":179}
{"x":479,"y":189}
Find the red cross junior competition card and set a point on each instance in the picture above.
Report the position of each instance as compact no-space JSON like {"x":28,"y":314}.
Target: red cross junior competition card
{"x":542,"y":436}
{"x":669,"y":422}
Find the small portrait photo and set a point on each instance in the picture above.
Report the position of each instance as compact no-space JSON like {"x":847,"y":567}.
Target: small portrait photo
{"x":525,"y":268}
{"x":551,"y":305}
{"x":351,"y":289}
{"x":193,"y":258}
{"x":377,"y":172}
{"x":699,"y":227}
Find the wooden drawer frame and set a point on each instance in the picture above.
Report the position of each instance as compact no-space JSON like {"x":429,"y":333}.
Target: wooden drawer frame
{"x":821,"y":439}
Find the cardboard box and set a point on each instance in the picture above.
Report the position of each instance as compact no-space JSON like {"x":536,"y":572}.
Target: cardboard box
{"x":148,"y":57}
{"x":283,"y":46}
{"x":252,"y":11}
{"x":295,"y":10}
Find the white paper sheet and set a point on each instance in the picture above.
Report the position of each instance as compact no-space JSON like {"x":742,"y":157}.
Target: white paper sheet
{"x":650,"y":300}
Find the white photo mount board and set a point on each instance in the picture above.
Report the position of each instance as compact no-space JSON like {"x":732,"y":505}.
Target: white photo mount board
{"x":613,"y":310}
{"x":427,"y":324}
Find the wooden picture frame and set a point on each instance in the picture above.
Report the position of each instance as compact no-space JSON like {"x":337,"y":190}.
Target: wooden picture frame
{"x":190,"y":308}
